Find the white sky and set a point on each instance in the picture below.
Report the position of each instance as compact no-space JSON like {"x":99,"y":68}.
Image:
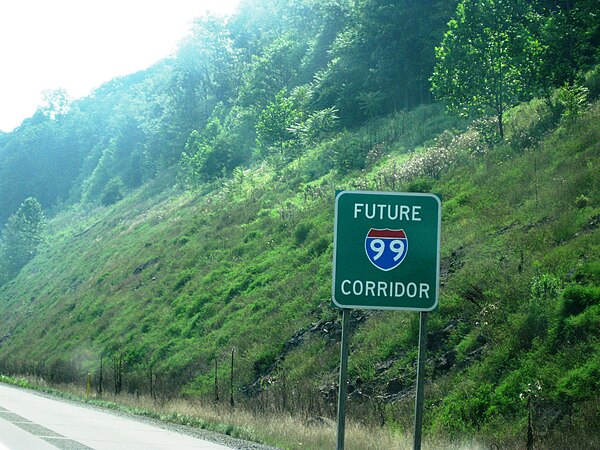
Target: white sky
{"x":79,"y":44}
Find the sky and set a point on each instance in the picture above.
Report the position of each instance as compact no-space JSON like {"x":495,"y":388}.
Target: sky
{"x":79,"y":44}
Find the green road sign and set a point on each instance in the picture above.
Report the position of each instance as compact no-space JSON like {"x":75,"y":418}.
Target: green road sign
{"x":386,"y":250}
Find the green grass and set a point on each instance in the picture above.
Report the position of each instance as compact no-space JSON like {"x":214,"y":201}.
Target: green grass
{"x":173,"y":281}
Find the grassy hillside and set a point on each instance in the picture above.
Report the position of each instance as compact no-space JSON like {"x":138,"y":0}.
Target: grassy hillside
{"x":161,"y":286}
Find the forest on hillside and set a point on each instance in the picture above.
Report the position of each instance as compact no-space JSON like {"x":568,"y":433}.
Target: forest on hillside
{"x":184,"y":212}
{"x":273,"y":79}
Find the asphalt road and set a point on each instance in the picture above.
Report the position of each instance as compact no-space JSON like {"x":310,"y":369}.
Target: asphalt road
{"x":33,"y":422}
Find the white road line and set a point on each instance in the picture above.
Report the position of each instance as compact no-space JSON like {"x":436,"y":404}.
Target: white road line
{"x":14,"y":438}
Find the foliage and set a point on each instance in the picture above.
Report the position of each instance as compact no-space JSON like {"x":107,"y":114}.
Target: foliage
{"x":273,"y":135}
{"x":572,"y":99}
{"x":340,"y":62}
{"x":261,"y":117}
{"x":202,"y":159}
{"x":591,"y":82}
{"x":381,"y":61}
{"x":311,"y":131}
{"x":22,"y":236}
{"x":55,"y":104}
{"x":113,"y":192}
{"x":220,"y":270}
{"x":575,"y":384}
{"x":489,"y":58}
{"x":570,"y":34}
{"x":544,"y":287}
{"x":577,"y":299}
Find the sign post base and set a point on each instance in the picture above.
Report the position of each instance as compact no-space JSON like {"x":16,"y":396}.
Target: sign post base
{"x":342,"y":388}
{"x":420,"y":380}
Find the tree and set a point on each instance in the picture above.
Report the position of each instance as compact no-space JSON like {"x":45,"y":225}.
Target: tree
{"x":317,"y":123}
{"x":572,"y":36}
{"x":489,"y":59}
{"x":272,"y":70}
{"x":22,"y":236}
{"x":207,"y":155}
{"x":56,"y":103}
{"x":386,"y":51}
{"x":273,"y":130}
{"x":113,"y":192}
{"x":207,"y":70}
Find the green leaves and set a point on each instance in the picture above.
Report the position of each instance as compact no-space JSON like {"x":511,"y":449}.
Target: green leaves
{"x":572,"y":100}
{"x":316,"y":124}
{"x":273,"y":127}
{"x":21,"y":237}
{"x":201,"y":161}
{"x":489,"y":59}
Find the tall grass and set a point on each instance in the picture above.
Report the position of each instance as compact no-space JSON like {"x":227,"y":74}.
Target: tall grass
{"x":283,"y":430}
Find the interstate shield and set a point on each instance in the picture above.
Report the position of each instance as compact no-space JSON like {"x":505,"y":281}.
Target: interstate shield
{"x":385,"y":248}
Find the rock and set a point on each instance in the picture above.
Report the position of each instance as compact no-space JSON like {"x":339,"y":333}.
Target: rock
{"x":394,"y":386}
{"x":436,"y":339}
{"x":444,"y":362}
{"x":139,"y":269}
{"x":594,"y":222}
{"x":5,"y":337}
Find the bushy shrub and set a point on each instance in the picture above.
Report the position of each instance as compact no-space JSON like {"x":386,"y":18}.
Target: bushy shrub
{"x":592,"y":82}
{"x":545,"y":286}
{"x":182,"y":279}
{"x":577,"y":383}
{"x":572,"y":100}
{"x":319,"y":247}
{"x":582,"y":326}
{"x":421,"y":184}
{"x":113,"y":192}
{"x":349,"y":153}
{"x":527,"y":123}
{"x":301,"y":232}
{"x":588,"y":273}
{"x":578,"y":315}
{"x":428,"y":164}
{"x":577,"y":298}
{"x":582,"y":201}
{"x":375,"y":154}
{"x":511,"y":395}
{"x":465,"y":409}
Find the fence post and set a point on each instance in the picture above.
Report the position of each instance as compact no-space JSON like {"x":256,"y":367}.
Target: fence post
{"x":231,"y":397}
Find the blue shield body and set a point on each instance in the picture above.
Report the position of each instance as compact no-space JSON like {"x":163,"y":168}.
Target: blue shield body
{"x":386,"y":249}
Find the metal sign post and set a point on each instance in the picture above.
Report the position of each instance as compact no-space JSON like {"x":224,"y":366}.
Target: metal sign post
{"x":420,"y":381}
{"x":343,"y":383}
{"x":386,"y":255}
